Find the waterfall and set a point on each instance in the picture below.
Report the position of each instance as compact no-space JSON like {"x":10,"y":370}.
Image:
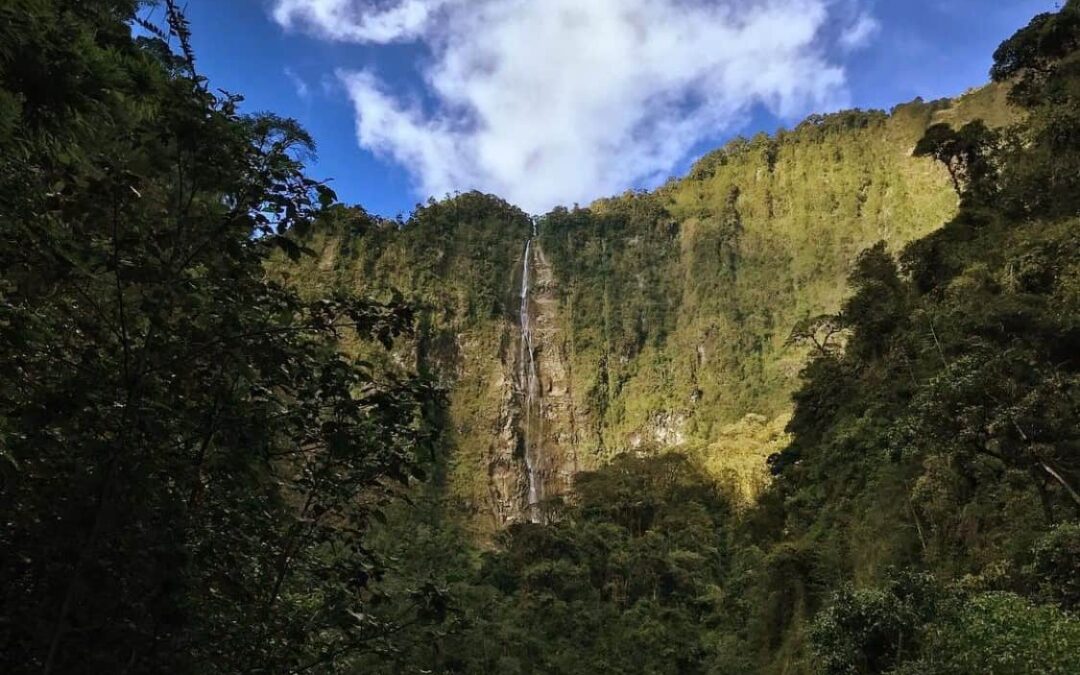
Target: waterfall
{"x":530,"y":391}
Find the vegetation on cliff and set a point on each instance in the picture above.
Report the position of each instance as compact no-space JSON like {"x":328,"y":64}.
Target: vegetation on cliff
{"x":922,"y":518}
{"x":673,"y":310}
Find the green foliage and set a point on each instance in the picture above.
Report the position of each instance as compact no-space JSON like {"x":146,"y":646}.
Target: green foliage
{"x":871,"y":630}
{"x":999,"y":634}
{"x":1035,"y":53}
{"x":914,"y":626}
{"x":1044,"y":61}
{"x":951,"y":415}
{"x":966,"y":154}
{"x":188,"y":461}
{"x":1056,"y":565}
{"x":626,"y":581}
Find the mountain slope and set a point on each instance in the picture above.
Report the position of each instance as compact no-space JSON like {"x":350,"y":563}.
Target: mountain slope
{"x":663,"y":318}
{"x":922,"y":515}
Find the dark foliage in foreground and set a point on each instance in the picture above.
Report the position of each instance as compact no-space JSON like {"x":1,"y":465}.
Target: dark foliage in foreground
{"x":187,"y":462}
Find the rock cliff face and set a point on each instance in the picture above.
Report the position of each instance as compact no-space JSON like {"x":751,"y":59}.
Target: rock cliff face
{"x":506,"y":470}
{"x":647,"y":322}
{"x":555,"y":437}
{"x":531,"y":455}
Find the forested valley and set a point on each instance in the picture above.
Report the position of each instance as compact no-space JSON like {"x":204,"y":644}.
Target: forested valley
{"x":812,"y":408}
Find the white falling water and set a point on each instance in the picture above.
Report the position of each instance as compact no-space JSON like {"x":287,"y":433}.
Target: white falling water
{"x":530,"y":388}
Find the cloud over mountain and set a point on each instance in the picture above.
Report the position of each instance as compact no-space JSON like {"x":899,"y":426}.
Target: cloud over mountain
{"x":557,"y":101}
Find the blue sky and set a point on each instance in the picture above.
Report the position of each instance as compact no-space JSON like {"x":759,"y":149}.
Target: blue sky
{"x":553,"y":101}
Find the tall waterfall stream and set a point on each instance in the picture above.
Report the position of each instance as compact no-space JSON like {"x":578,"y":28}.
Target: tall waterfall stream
{"x":530,"y":392}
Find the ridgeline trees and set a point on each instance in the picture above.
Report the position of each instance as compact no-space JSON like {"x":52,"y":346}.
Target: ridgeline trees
{"x":965,"y":153}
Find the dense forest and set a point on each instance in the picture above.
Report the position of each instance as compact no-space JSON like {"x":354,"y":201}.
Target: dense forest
{"x":810,"y":409}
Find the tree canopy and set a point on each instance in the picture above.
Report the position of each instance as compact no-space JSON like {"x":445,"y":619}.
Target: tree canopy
{"x":189,"y":462}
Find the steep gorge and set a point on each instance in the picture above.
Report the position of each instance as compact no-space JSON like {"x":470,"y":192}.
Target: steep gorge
{"x":645,"y":322}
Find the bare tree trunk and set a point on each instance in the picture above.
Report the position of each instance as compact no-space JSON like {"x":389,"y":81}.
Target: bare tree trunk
{"x":1061,"y":481}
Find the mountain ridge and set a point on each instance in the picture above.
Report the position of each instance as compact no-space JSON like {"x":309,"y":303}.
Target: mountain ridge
{"x":696,"y":285}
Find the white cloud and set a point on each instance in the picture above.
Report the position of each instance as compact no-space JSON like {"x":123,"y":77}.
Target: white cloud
{"x":860,"y":33}
{"x":303,"y":92}
{"x":556,"y":101}
{"x":358,"y":20}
